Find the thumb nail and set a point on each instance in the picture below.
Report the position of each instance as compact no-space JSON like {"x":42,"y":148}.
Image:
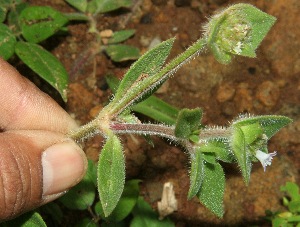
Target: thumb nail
{"x":64,"y":165}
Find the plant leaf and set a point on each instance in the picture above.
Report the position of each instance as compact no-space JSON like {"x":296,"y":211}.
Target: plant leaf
{"x":125,"y":205}
{"x":86,"y":222}
{"x":220,"y":148}
{"x":82,"y":195}
{"x":81,"y":5}
{"x":196,"y":173}
{"x":212,"y":189}
{"x":270,"y":124}
{"x":45,"y":65}
{"x":40,"y":22}
{"x":30,"y":219}
{"x":152,"y":107}
{"x":7,"y":42}
{"x":104,"y":6}
{"x":3,"y":12}
{"x":292,"y":189}
{"x":157,"y":109}
{"x":111,"y":174}
{"x":187,"y":122}
{"x":13,"y":17}
{"x":146,"y":66}
{"x":121,"y":52}
{"x":239,"y":149}
{"x":121,"y":36}
{"x":145,"y":216}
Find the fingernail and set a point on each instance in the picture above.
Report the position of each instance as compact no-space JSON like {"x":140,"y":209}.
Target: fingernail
{"x":64,"y":165}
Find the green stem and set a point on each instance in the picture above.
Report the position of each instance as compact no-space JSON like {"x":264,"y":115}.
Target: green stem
{"x":114,"y":108}
{"x":154,"y":81}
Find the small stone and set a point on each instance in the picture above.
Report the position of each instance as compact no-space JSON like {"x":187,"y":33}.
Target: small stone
{"x":268,"y":93}
{"x":243,"y":98}
{"x":225,"y":92}
{"x":106,"y":33}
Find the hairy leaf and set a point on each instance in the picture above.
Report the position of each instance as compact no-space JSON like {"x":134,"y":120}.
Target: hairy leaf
{"x":187,"y":122}
{"x":152,"y":107}
{"x":146,"y":66}
{"x":120,"y":52}
{"x":241,"y":153}
{"x":220,"y":148}
{"x":212,"y":189}
{"x":7,"y":42}
{"x":270,"y":123}
{"x":111,"y":174}
{"x":196,"y":173}
{"x":40,"y":22}
{"x":45,"y":65}
{"x":125,"y":205}
{"x":157,"y":109}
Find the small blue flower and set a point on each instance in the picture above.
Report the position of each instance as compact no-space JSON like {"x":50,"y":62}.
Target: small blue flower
{"x":264,"y":158}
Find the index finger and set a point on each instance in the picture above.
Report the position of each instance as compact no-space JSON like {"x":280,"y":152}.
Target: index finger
{"x":24,"y":106}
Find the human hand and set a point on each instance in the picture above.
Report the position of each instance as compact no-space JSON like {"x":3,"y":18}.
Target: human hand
{"x":38,"y":163}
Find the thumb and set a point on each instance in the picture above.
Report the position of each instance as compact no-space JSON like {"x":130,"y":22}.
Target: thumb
{"x":36,"y":167}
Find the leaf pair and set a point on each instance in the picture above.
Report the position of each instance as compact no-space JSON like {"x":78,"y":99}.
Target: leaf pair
{"x":207,"y":182}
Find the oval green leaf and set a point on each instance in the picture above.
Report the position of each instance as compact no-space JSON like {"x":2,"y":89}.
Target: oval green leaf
{"x":45,"y":65}
{"x":212,"y":189}
{"x":196,"y":173}
{"x":30,"y":219}
{"x":187,"y":122}
{"x":121,"y":36}
{"x":122,"y":52}
{"x":40,"y":22}
{"x":81,"y":5}
{"x":126,"y":203}
{"x":7,"y":42}
{"x":111,"y":174}
{"x":104,"y":6}
{"x":146,"y":66}
{"x":270,"y":124}
{"x":241,"y":153}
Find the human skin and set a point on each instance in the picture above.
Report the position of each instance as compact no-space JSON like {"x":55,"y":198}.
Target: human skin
{"x":38,"y":163}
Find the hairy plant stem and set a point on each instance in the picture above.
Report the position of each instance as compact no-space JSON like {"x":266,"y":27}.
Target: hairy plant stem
{"x":118,"y":106}
{"x":104,"y":124}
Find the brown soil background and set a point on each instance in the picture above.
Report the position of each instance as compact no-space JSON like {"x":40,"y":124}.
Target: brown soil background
{"x":268,"y":84}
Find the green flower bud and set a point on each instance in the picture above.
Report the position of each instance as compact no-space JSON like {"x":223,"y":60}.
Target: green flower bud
{"x":237,"y":30}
